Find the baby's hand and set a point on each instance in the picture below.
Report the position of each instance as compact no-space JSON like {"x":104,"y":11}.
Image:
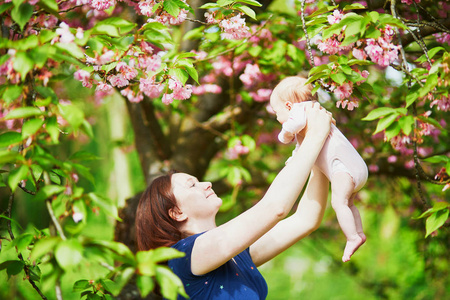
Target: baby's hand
{"x":318,"y":120}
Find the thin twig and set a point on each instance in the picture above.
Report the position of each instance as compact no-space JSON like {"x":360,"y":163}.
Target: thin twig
{"x":416,"y":160}
{"x":308,"y":41}
{"x":197,"y":21}
{"x":402,"y":69}
{"x":54,"y":220}
{"x":397,"y":32}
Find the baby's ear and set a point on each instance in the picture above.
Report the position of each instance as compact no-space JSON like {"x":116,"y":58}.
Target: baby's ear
{"x":288,"y":105}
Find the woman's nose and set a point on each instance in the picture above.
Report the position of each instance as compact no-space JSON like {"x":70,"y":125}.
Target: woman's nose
{"x":207,"y":184}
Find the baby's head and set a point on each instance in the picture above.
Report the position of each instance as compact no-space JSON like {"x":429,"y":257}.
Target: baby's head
{"x":290,"y":90}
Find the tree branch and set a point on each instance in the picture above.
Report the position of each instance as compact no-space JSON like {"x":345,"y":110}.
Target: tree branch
{"x":427,"y":30}
{"x":58,"y":227}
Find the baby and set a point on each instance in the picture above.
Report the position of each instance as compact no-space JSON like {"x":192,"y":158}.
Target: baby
{"x":338,"y":159}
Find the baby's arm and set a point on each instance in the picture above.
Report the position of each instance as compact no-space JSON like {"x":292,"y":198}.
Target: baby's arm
{"x":295,"y":123}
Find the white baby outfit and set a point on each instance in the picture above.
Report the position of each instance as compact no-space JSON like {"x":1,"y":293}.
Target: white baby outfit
{"x":337,"y":154}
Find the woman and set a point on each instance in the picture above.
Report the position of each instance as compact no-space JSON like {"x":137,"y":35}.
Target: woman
{"x":220,"y":263}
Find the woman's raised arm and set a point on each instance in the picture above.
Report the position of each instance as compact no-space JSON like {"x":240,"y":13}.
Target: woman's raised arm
{"x":305,"y":220}
{"x":217,"y":246}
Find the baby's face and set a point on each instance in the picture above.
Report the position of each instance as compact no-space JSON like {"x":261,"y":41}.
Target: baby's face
{"x":281,"y":110}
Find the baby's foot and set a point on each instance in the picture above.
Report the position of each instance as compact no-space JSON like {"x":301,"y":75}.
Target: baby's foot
{"x":351,"y":246}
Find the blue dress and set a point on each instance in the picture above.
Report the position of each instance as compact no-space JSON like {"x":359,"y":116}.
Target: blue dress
{"x":237,"y":279}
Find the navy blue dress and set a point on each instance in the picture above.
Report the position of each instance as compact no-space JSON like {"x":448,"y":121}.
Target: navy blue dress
{"x":237,"y":279}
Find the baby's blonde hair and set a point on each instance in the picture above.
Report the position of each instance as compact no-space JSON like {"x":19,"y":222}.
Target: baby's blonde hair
{"x":293,"y":89}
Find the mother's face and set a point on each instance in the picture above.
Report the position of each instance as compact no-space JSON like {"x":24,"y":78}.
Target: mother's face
{"x":195,"y":200}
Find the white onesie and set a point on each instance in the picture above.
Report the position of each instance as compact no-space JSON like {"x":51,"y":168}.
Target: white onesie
{"x":337,"y":154}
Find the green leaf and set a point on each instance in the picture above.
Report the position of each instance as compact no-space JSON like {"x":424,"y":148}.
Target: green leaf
{"x":44,"y":246}
{"x":223,"y":3}
{"x":106,"y":205}
{"x":13,"y":267}
{"x":69,"y":254}
{"x":180,"y":74}
{"x":83,"y":156}
{"x":122,"y":279}
{"x":17,"y":175}
{"x":436,"y":220}
{"x":11,"y":93}
{"x":4,"y":7}
{"x":145,"y":285}
{"x":81,"y":285}
{"x":170,"y":284}
{"x":246,"y":10}
{"x":389,"y":19}
{"x":52,"y":128}
{"x":374,"y":15}
{"x":437,"y":159}
{"x":385,"y":122}
{"x":22,"y":242}
{"x":47,"y":191}
{"x":209,"y":5}
{"x":429,"y":85}
{"x":436,"y":207}
{"x":72,"y":114}
{"x":322,"y":10}
{"x":354,"y":6}
{"x":123,"y":25}
{"x":318,"y":69}
{"x":10,"y":138}
{"x":9,"y":156}
{"x":49,"y":5}
{"x":107,"y":29}
{"x":71,"y":49}
{"x":378,"y":113}
{"x":21,"y":14}
{"x":250,"y":2}
{"x":24,"y":112}
{"x":339,"y":78}
{"x":171,"y":7}
{"x":31,"y":126}
{"x":23,"y":64}
{"x":406,"y":124}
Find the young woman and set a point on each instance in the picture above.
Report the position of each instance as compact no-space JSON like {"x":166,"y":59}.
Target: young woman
{"x":220,"y":263}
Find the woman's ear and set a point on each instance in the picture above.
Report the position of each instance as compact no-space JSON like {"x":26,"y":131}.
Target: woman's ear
{"x":176,"y":214}
{"x":288,"y":105}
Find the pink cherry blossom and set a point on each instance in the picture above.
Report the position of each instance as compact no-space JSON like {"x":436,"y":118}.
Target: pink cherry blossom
{"x":84,"y":77}
{"x":65,"y":36}
{"x":251,"y":75}
{"x":335,"y":17}
{"x":409,"y":2}
{"x":222,"y":65}
{"x":343,"y":91}
{"x":392,"y":159}
{"x":131,"y":95}
{"x":442,"y":103}
{"x":149,"y":63}
{"x":209,"y":16}
{"x":180,"y":92}
{"x":150,"y":88}
{"x":236,"y":150}
{"x":102,"y":4}
{"x":373,"y":168}
{"x":118,"y":80}
{"x":330,"y":45}
{"x":104,"y":87}
{"x":234,"y":28}
{"x":261,"y":95}
{"x":206,"y":88}
{"x":146,"y":7}
{"x":359,"y":54}
{"x":127,"y":71}
{"x":167,"y":99}
{"x":350,"y":104}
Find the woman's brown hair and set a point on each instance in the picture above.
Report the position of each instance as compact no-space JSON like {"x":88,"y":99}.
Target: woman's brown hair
{"x":154,"y":226}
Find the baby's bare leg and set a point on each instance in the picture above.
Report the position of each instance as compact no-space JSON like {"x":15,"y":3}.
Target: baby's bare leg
{"x":357,"y":216}
{"x":342,"y":187}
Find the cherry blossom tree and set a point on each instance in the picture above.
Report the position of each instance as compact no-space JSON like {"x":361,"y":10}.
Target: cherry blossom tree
{"x":196,"y":78}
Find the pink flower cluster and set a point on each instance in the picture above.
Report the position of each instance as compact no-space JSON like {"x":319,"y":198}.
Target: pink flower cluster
{"x":442,"y":103}
{"x":335,"y":17}
{"x":83,"y":76}
{"x":381,"y":51}
{"x":409,"y":2}
{"x":252,"y":74}
{"x":179,"y":91}
{"x":102,"y":4}
{"x":261,"y":95}
{"x":206,"y":88}
{"x":234,"y":28}
{"x":150,"y":88}
{"x":146,"y":8}
{"x":236,"y":151}
{"x":442,"y":37}
{"x":400,"y":143}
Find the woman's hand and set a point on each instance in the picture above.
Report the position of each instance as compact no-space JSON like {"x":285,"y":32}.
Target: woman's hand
{"x":318,"y":121}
